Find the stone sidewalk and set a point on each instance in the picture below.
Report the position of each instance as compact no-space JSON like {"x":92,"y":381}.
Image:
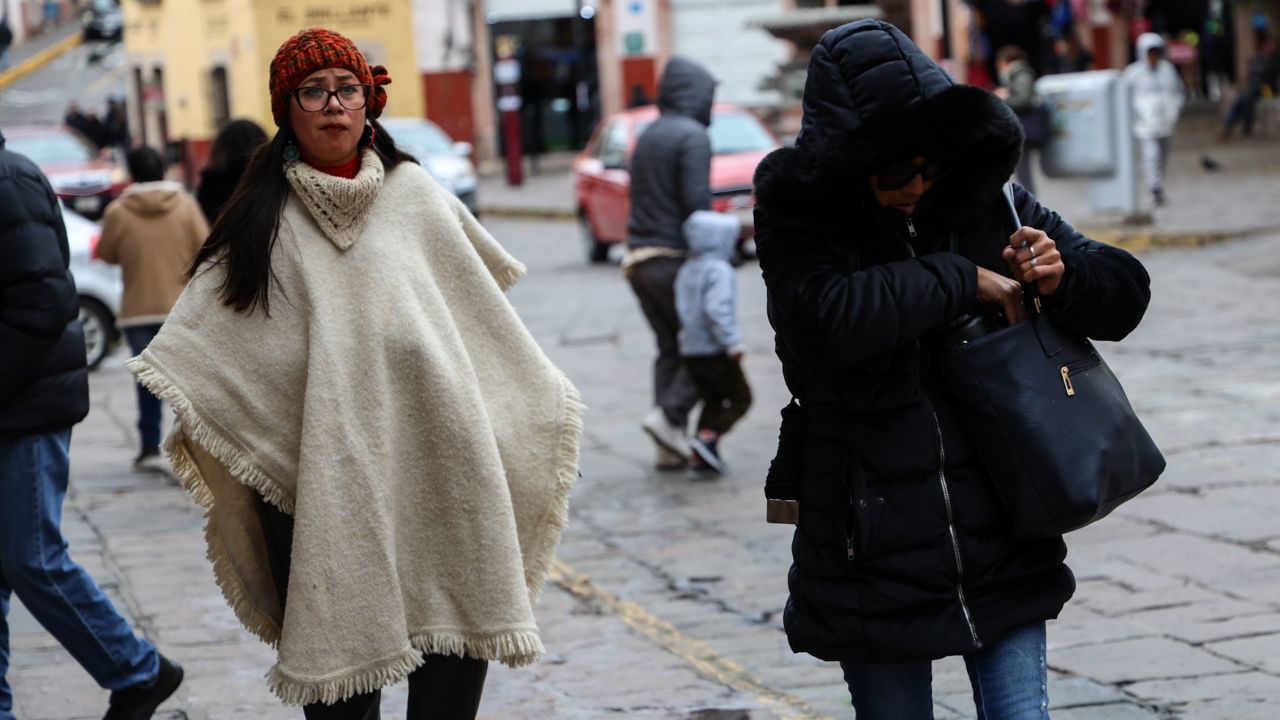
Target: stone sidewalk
{"x":668,"y":600}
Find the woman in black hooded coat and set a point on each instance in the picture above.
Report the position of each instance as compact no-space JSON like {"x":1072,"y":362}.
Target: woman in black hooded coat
{"x":885,"y":223}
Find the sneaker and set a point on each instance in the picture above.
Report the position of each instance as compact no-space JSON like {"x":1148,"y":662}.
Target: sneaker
{"x":704,"y":448}
{"x":140,"y":701}
{"x":150,"y":460}
{"x":663,"y":432}
{"x":667,"y":460}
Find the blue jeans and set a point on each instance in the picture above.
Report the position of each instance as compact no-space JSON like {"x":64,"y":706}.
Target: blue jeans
{"x":139,"y":336}
{"x":1242,"y":111}
{"x":34,"y":564}
{"x":1009,"y":680}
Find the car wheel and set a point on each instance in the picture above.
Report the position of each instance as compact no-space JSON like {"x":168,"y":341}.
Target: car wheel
{"x":596,"y":251}
{"x":98,"y":328}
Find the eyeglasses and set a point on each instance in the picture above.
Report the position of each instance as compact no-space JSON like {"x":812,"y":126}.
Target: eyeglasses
{"x":898,"y":176}
{"x":314,"y":98}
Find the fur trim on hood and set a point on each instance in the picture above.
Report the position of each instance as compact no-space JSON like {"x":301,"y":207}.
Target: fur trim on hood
{"x":873,"y":98}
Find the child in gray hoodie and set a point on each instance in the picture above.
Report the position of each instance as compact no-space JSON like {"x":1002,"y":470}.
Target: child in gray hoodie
{"x":710,"y":339}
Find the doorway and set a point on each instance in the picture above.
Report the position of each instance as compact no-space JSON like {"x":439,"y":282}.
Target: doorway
{"x":559,"y":80}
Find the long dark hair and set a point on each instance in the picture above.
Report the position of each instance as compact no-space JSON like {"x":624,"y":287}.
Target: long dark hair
{"x":244,"y":235}
{"x":234,"y":145}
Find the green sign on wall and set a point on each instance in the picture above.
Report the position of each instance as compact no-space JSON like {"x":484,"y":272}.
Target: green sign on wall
{"x":633,"y":42}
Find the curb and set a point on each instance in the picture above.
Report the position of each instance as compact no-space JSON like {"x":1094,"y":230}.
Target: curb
{"x":1138,"y":241}
{"x":39,"y":60}
{"x":527,"y":213}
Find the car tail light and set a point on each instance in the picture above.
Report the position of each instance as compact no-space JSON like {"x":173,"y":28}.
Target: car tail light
{"x":93,"y":245}
{"x":729,"y":203}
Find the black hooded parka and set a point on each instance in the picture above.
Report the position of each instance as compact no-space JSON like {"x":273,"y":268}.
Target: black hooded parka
{"x":903,"y":550}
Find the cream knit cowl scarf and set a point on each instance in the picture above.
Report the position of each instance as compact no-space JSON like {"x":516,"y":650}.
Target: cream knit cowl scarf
{"x":394,"y":404}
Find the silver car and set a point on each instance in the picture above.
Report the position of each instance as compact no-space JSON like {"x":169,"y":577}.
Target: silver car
{"x":449,"y":162}
{"x":98,"y":284}
{"x":103,"y":20}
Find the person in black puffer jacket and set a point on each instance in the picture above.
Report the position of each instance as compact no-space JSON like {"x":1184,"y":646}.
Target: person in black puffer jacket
{"x":44,"y":391}
{"x":44,"y":385}
{"x":882,"y":225}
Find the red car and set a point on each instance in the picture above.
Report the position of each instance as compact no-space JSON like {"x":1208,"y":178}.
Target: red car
{"x":603,"y":186}
{"x":84,"y":179}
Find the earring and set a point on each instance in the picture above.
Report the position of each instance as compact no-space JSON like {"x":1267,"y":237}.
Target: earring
{"x":291,"y":153}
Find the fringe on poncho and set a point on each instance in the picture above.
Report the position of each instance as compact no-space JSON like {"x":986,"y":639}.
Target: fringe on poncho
{"x":395,"y":405}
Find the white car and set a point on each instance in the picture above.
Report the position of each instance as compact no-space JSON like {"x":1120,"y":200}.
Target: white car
{"x":447,"y":161}
{"x":98,"y":284}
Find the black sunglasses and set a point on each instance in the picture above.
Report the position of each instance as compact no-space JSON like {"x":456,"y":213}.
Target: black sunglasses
{"x":898,"y":176}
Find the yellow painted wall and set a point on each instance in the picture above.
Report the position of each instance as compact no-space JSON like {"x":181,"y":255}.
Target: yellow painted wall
{"x":382,"y":29}
{"x":188,"y":38}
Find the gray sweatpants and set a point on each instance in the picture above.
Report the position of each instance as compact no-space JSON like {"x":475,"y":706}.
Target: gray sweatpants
{"x":1155,"y":157}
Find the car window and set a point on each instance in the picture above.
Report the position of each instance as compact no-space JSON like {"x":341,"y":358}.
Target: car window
{"x":613,"y":146}
{"x":736,"y":132}
{"x":50,"y":149}
{"x":597,"y":140}
{"x":421,"y":139}
{"x":731,"y":132}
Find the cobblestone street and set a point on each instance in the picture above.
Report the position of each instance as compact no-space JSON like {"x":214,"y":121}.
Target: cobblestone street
{"x":667,"y":602}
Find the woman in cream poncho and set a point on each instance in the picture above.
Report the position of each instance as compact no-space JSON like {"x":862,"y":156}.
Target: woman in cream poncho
{"x":373,"y":432}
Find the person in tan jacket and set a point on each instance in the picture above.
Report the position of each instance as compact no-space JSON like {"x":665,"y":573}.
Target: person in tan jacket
{"x":153,"y":231}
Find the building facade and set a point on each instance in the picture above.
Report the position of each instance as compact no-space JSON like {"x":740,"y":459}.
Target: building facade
{"x":195,"y":64}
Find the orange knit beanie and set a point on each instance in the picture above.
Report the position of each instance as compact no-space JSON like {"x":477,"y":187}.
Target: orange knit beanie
{"x":318,"y":49}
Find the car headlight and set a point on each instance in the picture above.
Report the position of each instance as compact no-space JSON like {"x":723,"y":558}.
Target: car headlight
{"x":464,"y":182}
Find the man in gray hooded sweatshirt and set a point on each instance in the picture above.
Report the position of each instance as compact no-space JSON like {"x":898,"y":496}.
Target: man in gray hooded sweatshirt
{"x":670,"y":179}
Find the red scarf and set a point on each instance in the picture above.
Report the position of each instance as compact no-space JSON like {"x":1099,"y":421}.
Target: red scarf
{"x":347,"y":170}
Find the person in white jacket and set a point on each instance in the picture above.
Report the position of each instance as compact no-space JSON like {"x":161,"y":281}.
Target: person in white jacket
{"x":1157,"y":101}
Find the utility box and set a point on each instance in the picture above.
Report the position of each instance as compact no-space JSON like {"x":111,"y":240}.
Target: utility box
{"x":1092,"y":138}
{"x":1084,"y":126}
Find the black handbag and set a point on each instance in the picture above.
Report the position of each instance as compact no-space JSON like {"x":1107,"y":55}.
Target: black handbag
{"x":1050,"y":421}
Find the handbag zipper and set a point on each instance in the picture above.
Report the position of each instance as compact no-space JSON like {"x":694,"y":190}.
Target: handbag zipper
{"x":1065,"y":370}
{"x":911,"y":230}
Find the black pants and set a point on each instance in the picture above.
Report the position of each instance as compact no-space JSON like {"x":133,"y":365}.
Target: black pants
{"x":445,"y":687}
{"x":723,"y":390}
{"x":654,"y":283}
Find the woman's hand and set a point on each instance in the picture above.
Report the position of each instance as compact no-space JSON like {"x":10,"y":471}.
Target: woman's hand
{"x":1033,"y":257}
{"x":1001,"y":293}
